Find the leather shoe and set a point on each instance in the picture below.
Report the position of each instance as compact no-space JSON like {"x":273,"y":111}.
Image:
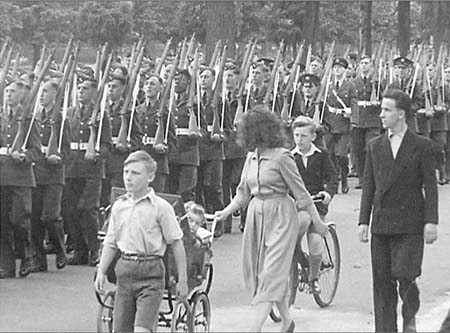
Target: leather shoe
{"x":78,"y":259}
{"x":5,"y":274}
{"x":358,"y":186}
{"x":345,"y":189}
{"x":94,"y":258}
{"x":25,"y":267}
{"x":61,"y":260}
{"x":314,"y":287}
{"x":291,"y":327}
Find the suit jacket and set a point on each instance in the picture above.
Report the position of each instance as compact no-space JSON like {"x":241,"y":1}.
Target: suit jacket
{"x":401,"y":193}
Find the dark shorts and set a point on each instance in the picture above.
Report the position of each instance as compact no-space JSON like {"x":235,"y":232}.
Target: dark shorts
{"x":140,"y":287}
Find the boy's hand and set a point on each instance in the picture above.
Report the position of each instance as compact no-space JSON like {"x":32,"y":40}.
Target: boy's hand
{"x":326,"y":197}
{"x":363,"y":233}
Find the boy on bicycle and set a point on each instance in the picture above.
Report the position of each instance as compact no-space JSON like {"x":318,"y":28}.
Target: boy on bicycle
{"x":320,"y":178}
{"x":140,"y":227}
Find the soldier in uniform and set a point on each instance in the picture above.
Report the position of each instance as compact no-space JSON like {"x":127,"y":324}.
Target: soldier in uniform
{"x":16,"y":183}
{"x":234,"y":154}
{"x":402,"y":73}
{"x":118,"y":118}
{"x":366,"y":121}
{"x":84,"y":176}
{"x":184,"y":158}
{"x":209,"y":192}
{"x":342,"y":102}
{"x":258,"y":85}
{"x":316,"y":66}
{"x":150,"y":114}
{"x":49,"y":172}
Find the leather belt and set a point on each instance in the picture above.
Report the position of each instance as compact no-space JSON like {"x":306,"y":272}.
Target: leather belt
{"x":115,"y":139}
{"x":182,"y":131}
{"x":147,"y":140}
{"x":368,"y":103}
{"x":139,"y":256}
{"x":78,"y":145}
{"x":5,"y":150}
{"x":210,"y":128}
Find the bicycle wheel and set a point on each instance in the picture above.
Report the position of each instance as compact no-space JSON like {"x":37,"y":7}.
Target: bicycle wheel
{"x":201,"y":313}
{"x":181,"y":318}
{"x":292,"y":292}
{"x":208,"y":276}
{"x":105,"y":314}
{"x":330,"y":268}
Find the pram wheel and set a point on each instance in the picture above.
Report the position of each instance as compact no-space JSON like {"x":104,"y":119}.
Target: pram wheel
{"x":105,"y":313}
{"x":201,"y":312}
{"x":181,"y":317}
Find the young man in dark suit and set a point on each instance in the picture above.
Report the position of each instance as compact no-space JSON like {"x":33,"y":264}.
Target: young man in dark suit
{"x":400,"y":188}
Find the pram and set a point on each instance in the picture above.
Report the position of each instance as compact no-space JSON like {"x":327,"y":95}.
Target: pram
{"x":191,"y":315}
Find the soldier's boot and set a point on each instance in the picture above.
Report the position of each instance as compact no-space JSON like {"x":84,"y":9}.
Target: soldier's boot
{"x":343,"y":165}
{"x":56,"y":234}
{"x":25,"y":263}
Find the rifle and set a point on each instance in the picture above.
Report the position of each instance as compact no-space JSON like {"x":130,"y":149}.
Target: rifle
{"x":19,"y":143}
{"x":97,"y":65}
{"x":123,"y":138}
{"x":271,"y":82}
{"x":163,"y":57}
{"x":183,"y":51}
{"x":66,"y":53}
{"x":215,"y":53}
{"x":62,"y":91}
{"x":193,"y":127}
{"x":35,"y":110}
{"x":15,"y":68}
{"x":100,"y":102}
{"x":292,"y":76}
{"x":3,"y":74}
{"x":215,"y":100}
{"x":73,"y":75}
{"x":190,"y":47}
{"x":64,"y":115}
{"x":4,"y":48}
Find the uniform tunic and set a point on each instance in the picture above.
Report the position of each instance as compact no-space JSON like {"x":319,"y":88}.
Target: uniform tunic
{"x":272,"y":223}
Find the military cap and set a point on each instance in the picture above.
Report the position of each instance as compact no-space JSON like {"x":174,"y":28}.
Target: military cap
{"x":308,"y":79}
{"x":403,"y":62}
{"x":365,"y":56}
{"x":85,"y":73}
{"x":27,"y":79}
{"x":352,"y":56}
{"x":340,"y":61}
{"x":317,"y":58}
{"x":204,"y":68}
{"x":268,"y":62}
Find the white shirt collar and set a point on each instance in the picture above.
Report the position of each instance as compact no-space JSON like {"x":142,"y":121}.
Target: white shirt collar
{"x":400,"y":134}
{"x":313,"y":149}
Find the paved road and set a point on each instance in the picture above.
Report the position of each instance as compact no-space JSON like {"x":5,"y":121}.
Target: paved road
{"x":64,"y":300}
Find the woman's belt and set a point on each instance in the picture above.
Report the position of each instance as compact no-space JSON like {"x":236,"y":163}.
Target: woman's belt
{"x":270,"y":196}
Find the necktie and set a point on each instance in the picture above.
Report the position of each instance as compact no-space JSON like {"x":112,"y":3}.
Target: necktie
{"x":229,"y":96}
{"x":10,"y":114}
{"x":307,"y":104}
{"x":337,"y":85}
{"x":365,"y":80}
{"x":204,"y":99}
{"x":43,"y":114}
{"x":256,"y":92}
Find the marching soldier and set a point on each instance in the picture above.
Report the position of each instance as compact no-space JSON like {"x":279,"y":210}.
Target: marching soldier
{"x":342,"y":102}
{"x":209,"y":183}
{"x":184,"y":158}
{"x":149,"y":116}
{"x":16,"y":182}
{"x":234,"y":154}
{"x":366,"y":121}
{"x":49,"y":172}
{"x":258,"y":85}
{"x":119,"y":150}
{"x":84,"y":175}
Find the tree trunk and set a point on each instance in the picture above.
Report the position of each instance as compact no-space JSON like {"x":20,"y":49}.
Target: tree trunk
{"x":439,"y":11}
{"x":311,"y":24}
{"x":404,"y":27}
{"x":366,"y":27}
{"x":221,"y":24}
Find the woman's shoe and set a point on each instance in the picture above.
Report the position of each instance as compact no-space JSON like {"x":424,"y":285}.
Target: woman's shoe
{"x":291,"y":328}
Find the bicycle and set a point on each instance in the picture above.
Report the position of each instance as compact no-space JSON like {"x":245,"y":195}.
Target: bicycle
{"x":328,"y":274}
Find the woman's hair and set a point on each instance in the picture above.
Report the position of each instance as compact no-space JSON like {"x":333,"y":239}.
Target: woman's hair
{"x":260,"y":128}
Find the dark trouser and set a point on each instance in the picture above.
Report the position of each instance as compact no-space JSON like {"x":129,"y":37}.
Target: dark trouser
{"x":447,"y":155}
{"x":15,"y":225}
{"x":360,"y":137}
{"x":159,"y":183}
{"x":140,"y":287}
{"x":46,"y":215}
{"x":209,"y":185}
{"x":338,"y":145}
{"x":395,"y":258}
{"x":112,"y":180}
{"x":439,"y":139}
{"x":82,"y":200}
{"x":182,"y":180}
{"x":232,"y":169}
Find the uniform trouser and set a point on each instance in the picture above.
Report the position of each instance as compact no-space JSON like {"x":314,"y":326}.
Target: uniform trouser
{"x":439,"y":139}
{"x":232,"y":169}
{"x":82,"y":204}
{"x":447,"y":155}
{"x":338,"y":145}
{"x":139,"y":293}
{"x":159,"y":183}
{"x":360,"y":137}
{"x":182,"y":180}
{"x":209,"y":185}
{"x":395,"y":259}
{"x":114,"y":179}
{"x":46,"y":215}
{"x":15,"y":225}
